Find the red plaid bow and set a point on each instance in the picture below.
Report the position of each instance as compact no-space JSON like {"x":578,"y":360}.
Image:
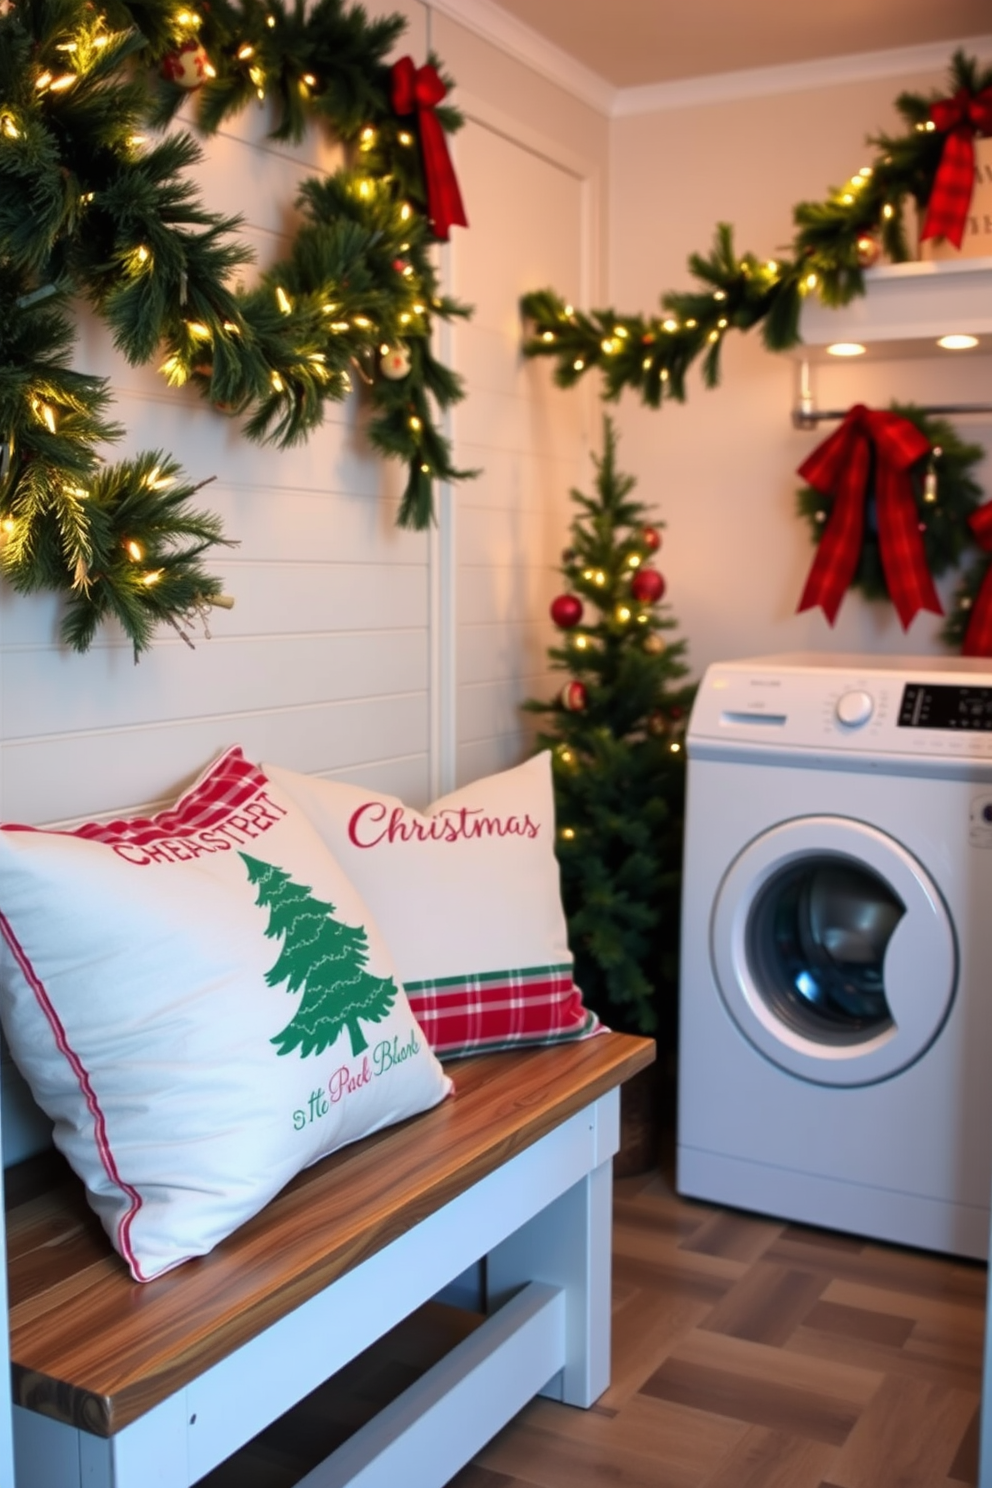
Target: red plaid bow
{"x":959,"y":118}
{"x":420,"y":89}
{"x":839,"y":467}
{"x":978,"y":636}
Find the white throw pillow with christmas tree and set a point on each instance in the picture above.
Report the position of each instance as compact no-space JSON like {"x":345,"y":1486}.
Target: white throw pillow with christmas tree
{"x":467,"y":894}
{"x":202,"y":1004}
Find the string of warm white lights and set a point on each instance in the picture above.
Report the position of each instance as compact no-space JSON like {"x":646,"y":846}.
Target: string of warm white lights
{"x":835,"y":241}
{"x":92,"y":204}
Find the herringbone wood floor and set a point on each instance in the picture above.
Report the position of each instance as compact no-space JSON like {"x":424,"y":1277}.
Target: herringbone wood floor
{"x":747,"y":1354}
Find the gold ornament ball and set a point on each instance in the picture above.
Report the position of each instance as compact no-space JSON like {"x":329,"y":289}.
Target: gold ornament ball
{"x":654,"y":644}
{"x":869,"y":250}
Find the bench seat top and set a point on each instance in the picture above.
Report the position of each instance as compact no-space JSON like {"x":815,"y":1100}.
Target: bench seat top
{"x":93,"y":1348}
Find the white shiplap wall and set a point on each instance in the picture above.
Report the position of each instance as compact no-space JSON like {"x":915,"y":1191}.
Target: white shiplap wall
{"x":354,"y":649}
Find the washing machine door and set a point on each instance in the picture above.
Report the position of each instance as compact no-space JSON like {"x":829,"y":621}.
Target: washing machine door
{"x":833,"y":951}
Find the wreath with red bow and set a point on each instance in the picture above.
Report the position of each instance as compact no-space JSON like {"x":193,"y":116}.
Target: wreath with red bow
{"x":891,"y":503}
{"x":92,"y":207}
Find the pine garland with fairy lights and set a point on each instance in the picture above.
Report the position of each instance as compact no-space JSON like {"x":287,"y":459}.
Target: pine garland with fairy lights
{"x":834,"y":242}
{"x":615,"y":730}
{"x":945,"y":493}
{"x":91,"y":208}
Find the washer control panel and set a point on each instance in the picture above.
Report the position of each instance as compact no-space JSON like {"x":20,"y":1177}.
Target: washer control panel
{"x":913,"y":706}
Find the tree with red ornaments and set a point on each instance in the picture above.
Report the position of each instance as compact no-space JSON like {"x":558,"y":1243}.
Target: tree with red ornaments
{"x":615,"y":728}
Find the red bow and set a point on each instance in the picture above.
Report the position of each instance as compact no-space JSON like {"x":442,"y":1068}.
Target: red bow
{"x":959,"y":118}
{"x":421,"y":89}
{"x":978,"y":636}
{"x":839,"y":467}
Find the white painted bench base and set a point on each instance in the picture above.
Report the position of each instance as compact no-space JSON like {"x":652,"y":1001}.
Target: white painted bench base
{"x":542,"y":1221}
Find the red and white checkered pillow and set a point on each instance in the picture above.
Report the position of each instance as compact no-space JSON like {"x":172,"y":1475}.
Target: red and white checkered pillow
{"x":201,"y":1002}
{"x":467,"y":895}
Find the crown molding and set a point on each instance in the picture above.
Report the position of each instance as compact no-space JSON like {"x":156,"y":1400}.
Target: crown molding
{"x":792,"y":77}
{"x":518,"y":40}
{"x":494,"y":24}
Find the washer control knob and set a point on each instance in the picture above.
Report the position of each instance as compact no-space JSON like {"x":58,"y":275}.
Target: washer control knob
{"x":855,"y":708}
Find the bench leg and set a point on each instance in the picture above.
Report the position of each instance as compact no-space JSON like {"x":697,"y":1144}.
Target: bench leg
{"x":151,"y":1453}
{"x":568,"y":1245}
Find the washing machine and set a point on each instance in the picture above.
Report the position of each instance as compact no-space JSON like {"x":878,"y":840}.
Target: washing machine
{"x":836,"y":982}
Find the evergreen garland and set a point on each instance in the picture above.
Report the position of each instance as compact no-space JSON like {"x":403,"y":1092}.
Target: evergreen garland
{"x":618,"y":763}
{"x":832,"y":241}
{"x":90,"y":207}
{"x":943,"y":503}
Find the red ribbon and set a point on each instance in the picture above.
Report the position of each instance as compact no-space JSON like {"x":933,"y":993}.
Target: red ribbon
{"x":978,"y":636}
{"x":839,"y":467}
{"x":420,"y":89}
{"x":959,"y":118}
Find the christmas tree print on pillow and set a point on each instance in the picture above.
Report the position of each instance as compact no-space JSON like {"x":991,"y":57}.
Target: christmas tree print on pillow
{"x":325,"y":958}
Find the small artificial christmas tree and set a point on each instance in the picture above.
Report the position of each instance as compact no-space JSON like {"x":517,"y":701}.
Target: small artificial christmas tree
{"x":616,"y":734}
{"x":324,"y":957}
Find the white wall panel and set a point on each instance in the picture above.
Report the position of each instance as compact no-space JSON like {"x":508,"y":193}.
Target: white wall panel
{"x":529,"y":439}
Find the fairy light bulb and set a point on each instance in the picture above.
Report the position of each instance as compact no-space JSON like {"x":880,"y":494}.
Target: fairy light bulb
{"x":283,"y":301}
{"x":134,"y":550}
{"x":568,"y":833}
{"x":415,"y":423}
{"x":578,"y":364}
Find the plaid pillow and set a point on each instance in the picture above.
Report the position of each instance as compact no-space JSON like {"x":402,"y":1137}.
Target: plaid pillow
{"x":467,"y":896}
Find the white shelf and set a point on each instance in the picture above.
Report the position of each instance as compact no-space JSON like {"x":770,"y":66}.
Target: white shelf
{"x":904,"y":309}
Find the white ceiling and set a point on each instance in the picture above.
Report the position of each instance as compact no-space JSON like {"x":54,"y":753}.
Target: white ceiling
{"x":632,"y":43}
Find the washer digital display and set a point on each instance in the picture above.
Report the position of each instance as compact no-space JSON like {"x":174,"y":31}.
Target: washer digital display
{"x":940,"y":706}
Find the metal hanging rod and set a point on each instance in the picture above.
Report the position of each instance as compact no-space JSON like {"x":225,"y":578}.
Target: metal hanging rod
{"x":808,"y":417}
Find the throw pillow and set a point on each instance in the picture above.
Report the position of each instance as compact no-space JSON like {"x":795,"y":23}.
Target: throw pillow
{"x":468,"y":896}
{"x":202,"y":1004}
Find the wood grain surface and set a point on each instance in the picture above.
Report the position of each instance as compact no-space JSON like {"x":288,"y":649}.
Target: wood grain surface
{"x":91,"y":1347}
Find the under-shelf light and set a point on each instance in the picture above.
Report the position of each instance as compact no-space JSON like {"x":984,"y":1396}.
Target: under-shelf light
{"x":958,"y":343}
{"x":846,"y":349}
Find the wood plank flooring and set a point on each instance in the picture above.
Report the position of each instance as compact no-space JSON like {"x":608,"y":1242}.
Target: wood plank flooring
{"x":747,"y":1353}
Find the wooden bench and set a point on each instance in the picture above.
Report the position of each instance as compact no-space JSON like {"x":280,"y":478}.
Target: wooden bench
{"x":117,"y":1385}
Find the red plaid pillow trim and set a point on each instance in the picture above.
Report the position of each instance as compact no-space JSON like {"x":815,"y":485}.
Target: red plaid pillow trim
{"x":501,"y":1009}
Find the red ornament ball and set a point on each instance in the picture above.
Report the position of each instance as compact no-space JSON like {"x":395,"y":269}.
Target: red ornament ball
{"x":647,"y":585}
{"x":187,"y":66}
{"x":566,"y":611}
{"x":869,"y":250}
{"x":651,"y":538}
{"x":573,"y":697}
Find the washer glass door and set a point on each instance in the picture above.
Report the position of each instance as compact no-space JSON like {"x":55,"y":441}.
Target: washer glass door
{"x":833,"y":950}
